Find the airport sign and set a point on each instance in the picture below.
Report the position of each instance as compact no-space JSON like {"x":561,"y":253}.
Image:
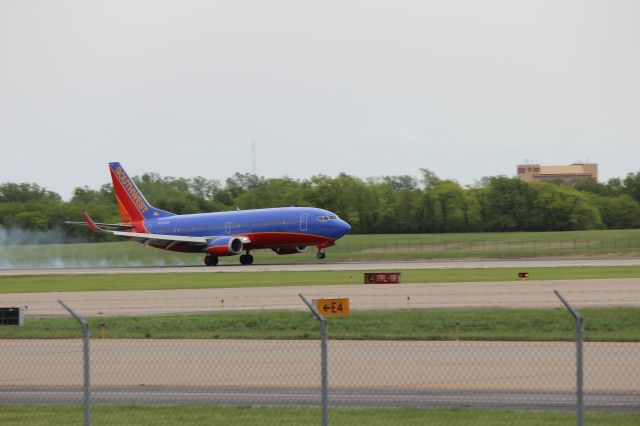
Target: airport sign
{"x":332,"y":307}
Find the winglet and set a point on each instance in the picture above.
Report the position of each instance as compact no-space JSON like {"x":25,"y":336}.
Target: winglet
{"x":90,"y":223}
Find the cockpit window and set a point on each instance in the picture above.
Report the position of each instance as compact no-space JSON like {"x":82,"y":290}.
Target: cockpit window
{"x":326,"y":218}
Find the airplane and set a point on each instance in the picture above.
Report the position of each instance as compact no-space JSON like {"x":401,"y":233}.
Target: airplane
{"x":285,"y":230}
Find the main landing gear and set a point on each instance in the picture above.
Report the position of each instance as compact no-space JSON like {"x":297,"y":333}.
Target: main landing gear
{"x":320,"y":254}
{"x":210,"y":260}
{"x":246,"y":259}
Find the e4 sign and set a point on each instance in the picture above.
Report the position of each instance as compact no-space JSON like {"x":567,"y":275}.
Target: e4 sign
{"x":333,"y":307}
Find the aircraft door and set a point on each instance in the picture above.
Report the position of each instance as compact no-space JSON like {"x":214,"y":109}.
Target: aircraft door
{"x":227,"y":227}
{"x":304,"y":218}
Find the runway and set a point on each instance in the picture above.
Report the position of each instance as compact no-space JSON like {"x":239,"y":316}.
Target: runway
{"x":526,"y":375}
{"x":525,"y":294}
{"x":333,"y":266}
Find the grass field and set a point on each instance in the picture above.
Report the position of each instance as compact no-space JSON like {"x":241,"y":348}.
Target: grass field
{"x":63,"y":283}
{"x":352,"y":247}
{"x":138,"y":415}
{"x":602,"y":324}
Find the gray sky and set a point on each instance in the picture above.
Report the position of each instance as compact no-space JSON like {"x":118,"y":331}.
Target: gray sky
{"x":464,"y":88}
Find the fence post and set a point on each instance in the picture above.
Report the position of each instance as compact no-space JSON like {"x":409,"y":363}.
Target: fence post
{"x":324,"y":337}
{"x":579,"y":359}
{"x":86,"y":334}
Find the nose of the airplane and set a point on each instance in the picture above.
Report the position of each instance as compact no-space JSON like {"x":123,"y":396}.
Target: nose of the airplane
{"x":346,"y":228}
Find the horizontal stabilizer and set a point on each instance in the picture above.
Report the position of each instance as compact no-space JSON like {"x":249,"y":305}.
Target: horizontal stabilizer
{"x":100,"y":227}
{"x":103,"y":226}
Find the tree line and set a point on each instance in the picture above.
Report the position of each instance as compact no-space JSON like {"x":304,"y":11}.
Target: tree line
{"x":387,"y":204}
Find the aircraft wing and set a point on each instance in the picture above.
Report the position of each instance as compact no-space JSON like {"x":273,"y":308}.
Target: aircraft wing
{"x":166,"y":242}
{"x":161,"y":237}
{"x":187,"y":243}
{"x":183,"y":242}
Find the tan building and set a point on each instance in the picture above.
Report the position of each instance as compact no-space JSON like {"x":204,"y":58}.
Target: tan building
{"x":569,"y":174}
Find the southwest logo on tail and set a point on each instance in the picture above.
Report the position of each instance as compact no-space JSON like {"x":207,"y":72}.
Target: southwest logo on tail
{"x":134,"y":208}
{"x":285,"y":230}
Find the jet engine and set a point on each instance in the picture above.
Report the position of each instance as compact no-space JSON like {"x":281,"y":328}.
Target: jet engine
{"x":289,"y":250}
{"x":225,"y":246}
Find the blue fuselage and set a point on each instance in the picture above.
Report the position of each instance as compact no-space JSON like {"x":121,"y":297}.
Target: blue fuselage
{"x":266,"y":228}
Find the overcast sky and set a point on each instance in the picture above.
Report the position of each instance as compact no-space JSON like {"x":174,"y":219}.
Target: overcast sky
{"x":464,"y":88}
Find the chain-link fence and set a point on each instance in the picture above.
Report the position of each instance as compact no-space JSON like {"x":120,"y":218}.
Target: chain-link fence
{"x":279,"y":381}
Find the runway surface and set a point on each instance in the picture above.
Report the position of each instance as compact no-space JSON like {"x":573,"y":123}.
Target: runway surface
{"x":530,"y":375}
{"x":333,"y":266}
{"x":535,"y":294}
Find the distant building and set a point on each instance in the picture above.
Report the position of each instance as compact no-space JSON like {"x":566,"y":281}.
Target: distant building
{"x":569,"y":174}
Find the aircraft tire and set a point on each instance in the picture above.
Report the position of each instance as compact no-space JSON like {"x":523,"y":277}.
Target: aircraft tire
{"x":246,"y":259}
{"x":321,"y":255}
{"x":210,"y":260}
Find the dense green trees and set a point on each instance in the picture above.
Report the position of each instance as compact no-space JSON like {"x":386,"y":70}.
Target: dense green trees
{"x":389,"y":204}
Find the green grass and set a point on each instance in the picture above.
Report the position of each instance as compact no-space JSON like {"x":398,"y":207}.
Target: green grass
{"x":601,"y":324}
{"x":164,"y":281}
{"x":352,"y":247}
{"x":489,"y":245}
{"x":139,"y":415}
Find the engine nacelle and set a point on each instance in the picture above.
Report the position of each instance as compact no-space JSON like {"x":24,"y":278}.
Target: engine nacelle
{"x":289,"y":250}
{"x":225,"y":246}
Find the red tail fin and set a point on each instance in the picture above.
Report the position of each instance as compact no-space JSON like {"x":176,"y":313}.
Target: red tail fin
{"x":133,"y":207}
